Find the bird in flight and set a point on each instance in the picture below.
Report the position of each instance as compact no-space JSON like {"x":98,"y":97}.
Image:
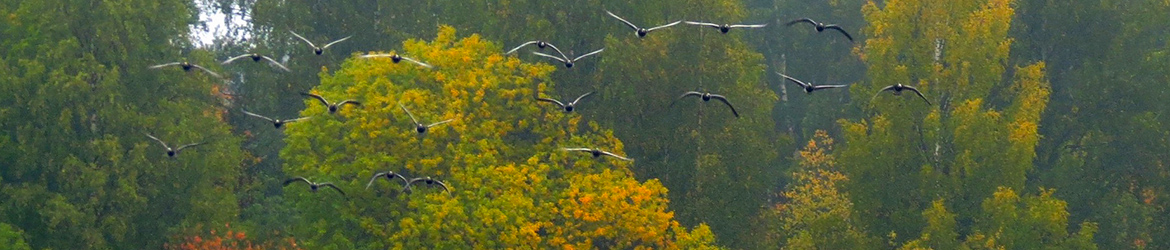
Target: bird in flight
{"x":809,"y":87}
{"x":427,"y":180}
{"x":314,"y":185}
{"x":275,"y":122}
{"x":172,"y":152}
{"x":257,"y":58}
{"x":565,"y":59}
{"x":539,"y":44}
{"x":821,"y":26}
{"x":898,"y":88}
{"x":641,"y":32}
{"x":708,"y":97}
{"x":389,"y":175}
{"x":419,"y":127}
{"x":319,"y":50}
{"x":187,"y":66}
{"x":569,"y":107}
{"x":598,"y":153}
{"x":396,"y":58}
{"x":333,"y":107}
{"x":726,"y":27}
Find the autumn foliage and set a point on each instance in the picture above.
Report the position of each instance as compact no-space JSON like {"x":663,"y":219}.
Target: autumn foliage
{"x":228,"y":239}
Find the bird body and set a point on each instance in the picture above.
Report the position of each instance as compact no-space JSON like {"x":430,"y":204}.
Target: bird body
{"x":809,"y":87}
{"x":389,"y":175}
{"x":172,"y":152}
{"x":319,"y":50}
{"x":257,"y":58}
{"x":898,"y":88}
{"x":314,"y":186}
{"x":333,"y":107}
{"x":539,"y":44}
{"x":420,"y":127}
{"x":569,"y":62}
{"x":641,"y":32}
{"x":278,"y":123}
{"x":821,"y":26}
{"x":187,"y":66}
{"x":707,"y":97}
{"x":568,"y":107}
{"x":598,"y":153}
{"x":724,"y":28}
{"x":396,"y":58}
{"x":429,"y":181}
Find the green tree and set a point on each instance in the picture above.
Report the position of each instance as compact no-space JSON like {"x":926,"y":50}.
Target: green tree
{"x":1035,"y":222}
{"x":12,"y":238}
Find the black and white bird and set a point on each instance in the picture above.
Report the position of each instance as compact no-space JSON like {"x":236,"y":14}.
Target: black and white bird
{"x":389,"y":176}
{"x":540,"y":45}
{"x":278,"y":123}
{"x":822,"y":26}
{"x":641,"y":32}
{"x":707,"y":97}
{"x":427,"y":180}
{"x":565,"y":59}
{"x":724,"y":28}
{"x":257,"y":58}
{"x":314,"y":185}
{"x":419,"y":127}
{"x":333,"y":107}
{"x":598,"y":153}
{"x":319,"y":50}
{"x":396,"y":58}
{"x":187,"y":66}
{"x":898,"y":88}
{"x":568,"y":107}
{"x":172,"y":152}
{"x":809,"y":87}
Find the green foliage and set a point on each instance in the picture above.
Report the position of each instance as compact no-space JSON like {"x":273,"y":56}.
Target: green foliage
{"x":1035,"y":222}
{"x":12,"y":238}
{"x":511,"y":185}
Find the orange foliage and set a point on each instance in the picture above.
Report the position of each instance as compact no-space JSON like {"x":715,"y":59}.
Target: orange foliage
{"x":229,"y":240}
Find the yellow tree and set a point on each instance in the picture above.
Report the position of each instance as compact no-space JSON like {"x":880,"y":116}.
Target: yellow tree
{"x":511,"y":184}
{"x":979,"y":132}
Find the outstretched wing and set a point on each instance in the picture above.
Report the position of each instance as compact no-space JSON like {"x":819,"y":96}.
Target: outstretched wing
{"x":318,"y":97}
{"x":550,"y":56}
{"x":327,"y":184}
{"x":747,"y":25}
{"x":664,"y":26}
{"x":440,"y":123}
{"x":628,"y":23}
{"x":350,"y":102}
{"x":164,"y":144}
{"x":303,"y":39}
{"x":230,"y":60}
{"x":296,"y":179}
{"x":165,"y":65}
{"x":793,"y":80}
{"x":724,"y":100}
{"x":702,"y":24}
{"x":257,"y":116}
{"x":372,"y":179}
{"x":919,"y":94}
{"x":212,"y":73}
{"x":820,"y":87}
{"x":684,"y":95}
{"x":180,"y":149}
{"x":415,"y":61}
{"x":444,"y":185}
{"x":297,"y":119}
{"x":550,"y":100}
{"x":335,"y":42}
{"x":802,"y":20}
{"x":274,"y":62}
{"x":521,"y":46}
{"x":616,"y":156}
{"x":408,"y":113}
{"x":376,"y":55}
{"x":411,"y":183}
{"x":588,"y":54}
{"x":879,"y":92}
{"x":578,"y":149}
{"x":579,"y":98}
{"x":838,"y":28}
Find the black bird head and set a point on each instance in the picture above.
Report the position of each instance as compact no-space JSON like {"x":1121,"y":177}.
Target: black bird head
{"x":256,"y":57}
{"x":171,"y":152}
{"x":595,"y":152}
{"x":333,"y":108}
{"x":820,"y":27}
{"x":706,"y":97}
{"x":569,"y":65}
{"x":541,"y":44}
{"x":313,"y":187}
{"x":278,"y":123}
{"x":186,"y":66}
{"x":395,"y":58}
{"x":569,"y":108}
{"x":318,"y":51}
{"x":420,"y":128}
{"x":642,"y":32}
{"x":725,"y":28}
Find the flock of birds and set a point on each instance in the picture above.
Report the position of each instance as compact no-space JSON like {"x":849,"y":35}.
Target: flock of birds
{"x":568,"y":107}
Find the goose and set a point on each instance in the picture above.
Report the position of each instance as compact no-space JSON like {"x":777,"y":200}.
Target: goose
{"x":569,"y":107}
{"x":539,"y":44}
{"x":319,"y":50}
{"x":708,"y":97}
{"x":568,"y":61}
{"x":390,"y":175}
{"x":257,"y":58}
{"x":808,"y":87}
{"x":726,"y":27}
{"x":314,"y":185}
{"x":821,"y":26}
{"x":334,"y":106}
{"x":275,"y":122}
{"x":641,"y":32}
{"x":419,"y":127}
{"x":172,"y":152}
{"x":898,"y":88}
{"x":427,"y":180}
{"x":187,"y":66}
{"x":396,"y":58}
{"x":598,"y":153}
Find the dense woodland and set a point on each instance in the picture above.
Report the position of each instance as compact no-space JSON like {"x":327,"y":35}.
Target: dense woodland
{"x":1045,"y":128}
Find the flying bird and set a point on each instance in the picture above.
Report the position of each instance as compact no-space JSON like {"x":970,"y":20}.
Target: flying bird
{"x":319,"y":50}
{"x":257,"y":58}
{"x":187,"y":67}
{"x":822,"y":26}
{"x":598,"y":153}
{"x":898,"y":88}
{"x":708,"y":97}
{"x":390,"y":175}
{"x":172,"y":152}
{"x":396,"y":58}
{"x":275,"y":122}
{"x":334,"y":106}
{"x":641,"y":32}
{"x":565,"y":59}
{"x":726,"y":27}
{"x":419,"y":127}
{"x":809,"y":87}
{"x":314,"y":185}
{"x":427,"y":180}
{"x":539,"y":44}
{"x":569,"y":106}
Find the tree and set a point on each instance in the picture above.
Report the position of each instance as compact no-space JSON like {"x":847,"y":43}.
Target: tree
{"x":1036,"y":222}
{"x":12,"y":238}
{"x":511,"y":184}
